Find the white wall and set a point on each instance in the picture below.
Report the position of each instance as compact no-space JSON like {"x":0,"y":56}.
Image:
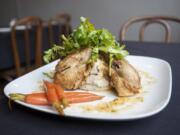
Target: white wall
{"x":8,"y":11}
{"x":110,"y":14}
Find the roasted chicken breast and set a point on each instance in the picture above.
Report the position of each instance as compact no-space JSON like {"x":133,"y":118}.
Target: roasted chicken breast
{"x":73,"y":69}
{"x":74,"y":72}
{"x":124,"y":78}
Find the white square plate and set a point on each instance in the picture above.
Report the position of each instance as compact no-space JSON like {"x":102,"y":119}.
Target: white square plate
{"x":156,"y":82}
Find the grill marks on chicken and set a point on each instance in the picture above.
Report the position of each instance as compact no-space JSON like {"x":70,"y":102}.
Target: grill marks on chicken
{"x":72,"y":70}
{"x":124,"y":78}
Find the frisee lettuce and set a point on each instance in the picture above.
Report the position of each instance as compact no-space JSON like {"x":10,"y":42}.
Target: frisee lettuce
{"x":85,"y":35}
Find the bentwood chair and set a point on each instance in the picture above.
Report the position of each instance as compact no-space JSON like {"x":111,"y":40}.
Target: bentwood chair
{"x":32,"y":24}
{"x":149,"y":20}
{"x":64,"y":27}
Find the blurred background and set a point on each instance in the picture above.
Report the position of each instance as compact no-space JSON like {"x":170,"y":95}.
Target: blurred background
{"x":110,"y":14}
{"x":57,"y":17}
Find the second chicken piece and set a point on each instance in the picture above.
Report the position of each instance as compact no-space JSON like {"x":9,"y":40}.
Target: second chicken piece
{"x":125,"y":79}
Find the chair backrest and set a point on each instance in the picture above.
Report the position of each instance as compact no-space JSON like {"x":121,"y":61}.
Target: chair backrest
{"x":63,"y":22}
{"x":148,"y":20}
{"x":28,"y":23}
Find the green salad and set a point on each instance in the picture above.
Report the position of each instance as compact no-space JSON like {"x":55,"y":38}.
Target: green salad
{"x":87,"y":36}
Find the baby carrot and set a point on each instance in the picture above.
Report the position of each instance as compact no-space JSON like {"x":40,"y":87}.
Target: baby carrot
{"x":59,"y":90}
{"x":84,"y":99}
{"x":79,"y":94}
{"x":60,"y":93}
{"x":51,"y":92}
{"x":37,"y":99}
{"x":53,"y":97}
{"x":42,"y":99}
{"x":34,"y":98}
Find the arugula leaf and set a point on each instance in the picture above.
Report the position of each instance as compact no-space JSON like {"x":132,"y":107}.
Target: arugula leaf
{"x":54,"y":53}
{"x":85,"y":35}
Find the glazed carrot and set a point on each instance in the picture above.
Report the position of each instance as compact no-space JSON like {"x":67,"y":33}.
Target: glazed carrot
{"x":59,"y":90}
{"x":36,"y":99}
{"x":52,"y":97}
{"x":51,"y":92}
{"x":75,"y":94}
{"x":84,"y":99}
{"x":78,"y":96}
{"x":60,"y":93}
{"x":41,"y":98}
